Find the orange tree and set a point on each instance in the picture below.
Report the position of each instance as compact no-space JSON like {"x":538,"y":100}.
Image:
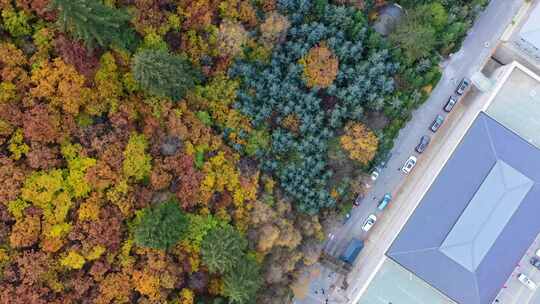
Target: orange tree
{"x":360,"y":142}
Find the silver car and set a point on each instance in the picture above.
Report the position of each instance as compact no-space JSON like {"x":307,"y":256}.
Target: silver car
{"x":450,"y":104}
{"x":463,"y":86}
{"x":437,"y":123}
{"x":526,"y":281}
{"x":369,"y":222}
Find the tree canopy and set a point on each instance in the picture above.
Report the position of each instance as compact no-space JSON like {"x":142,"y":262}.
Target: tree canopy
{"x":95,"y":23}
{"x":188,"y":151}
{"x":164,"y":74}
{"x":272,"y":93}
{"x":161,"y":226}
{"x":222,"y":249}
{"x":243,"y":282}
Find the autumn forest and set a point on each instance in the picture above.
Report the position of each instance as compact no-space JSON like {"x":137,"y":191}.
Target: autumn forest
{"x":193,"y":151}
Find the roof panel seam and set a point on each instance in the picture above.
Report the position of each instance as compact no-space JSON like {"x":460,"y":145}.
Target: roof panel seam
{"x":490,"y":139}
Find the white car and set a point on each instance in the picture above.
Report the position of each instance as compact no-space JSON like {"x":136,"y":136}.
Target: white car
{"x":526,"y":281}
{"x":369,"y":222}
{"x":374,"y":174}
{"x":537,"y":252}
{"x":409,"y":165}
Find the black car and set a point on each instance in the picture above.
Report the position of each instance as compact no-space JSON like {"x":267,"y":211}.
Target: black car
{"x":535,"y":262}
{"x":422,"y":145}
{"x":437,"y":123}
{"x":358,"y":199}
{"x":450,"y":104}
{"x":463,"y":85}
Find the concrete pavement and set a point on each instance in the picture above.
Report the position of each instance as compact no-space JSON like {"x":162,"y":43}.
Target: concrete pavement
{"x":486,"y":31}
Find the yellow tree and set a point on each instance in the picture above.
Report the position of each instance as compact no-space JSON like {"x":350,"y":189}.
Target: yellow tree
{"x":137,"y":163}
{"x":320,"y":66}
{"x":186,"y":296}
{"x":231,"y":37}
{"x":274,"y":29}
{"x":360,"y":142}
{"x":61,"y":85}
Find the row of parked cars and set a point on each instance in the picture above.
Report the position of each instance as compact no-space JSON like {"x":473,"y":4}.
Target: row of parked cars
{"x":524,"y":279}
{"x":356,"y":245}
{"x":435,"y":125}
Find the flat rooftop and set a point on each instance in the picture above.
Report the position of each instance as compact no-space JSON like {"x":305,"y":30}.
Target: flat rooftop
{"x":478,"y":217}
{"x":530,"y":31}
{"x":516,"y":105}
{"x":395,"y":284}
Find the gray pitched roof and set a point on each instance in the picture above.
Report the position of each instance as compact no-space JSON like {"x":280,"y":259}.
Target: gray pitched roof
{"x":478,"y":217}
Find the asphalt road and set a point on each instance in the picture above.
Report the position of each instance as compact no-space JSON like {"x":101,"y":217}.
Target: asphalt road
{"x":477,"y":47}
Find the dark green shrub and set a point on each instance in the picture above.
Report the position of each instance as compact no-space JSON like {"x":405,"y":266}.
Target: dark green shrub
{"x":164,"y":74}
{"x":95,"y":23}
{"x":161,"y":226}
{"x":242,"y":283}
{"x":222,"y":248}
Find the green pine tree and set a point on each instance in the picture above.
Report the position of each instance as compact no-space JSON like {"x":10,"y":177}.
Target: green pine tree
{"x":161,"y":227}
{"x":242,"y":283}
{"x":222,"y":248}
{"x":95,"y":23}
{"x":163,"y":74}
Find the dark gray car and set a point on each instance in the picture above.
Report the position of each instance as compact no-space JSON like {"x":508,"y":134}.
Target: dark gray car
{"x":535,"y":262}
{"x":450,"y":104}
{"x":422,"y":145}
{"x":437,"y":123}
{"x":463,"y":85}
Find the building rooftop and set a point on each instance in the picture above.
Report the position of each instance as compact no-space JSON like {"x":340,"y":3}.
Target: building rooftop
{"x":486,"y":215}
{"x":478,"y":217}
{"x":516,"y":104}
{"x":394,"y":284}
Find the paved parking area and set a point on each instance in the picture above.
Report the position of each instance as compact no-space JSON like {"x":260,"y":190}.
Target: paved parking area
{"x":513,"y":292}
{"x":536,"y":298}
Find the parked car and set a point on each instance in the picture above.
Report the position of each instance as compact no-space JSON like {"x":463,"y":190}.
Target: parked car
{"x":437,"y":123}
{"x":450,"y":103}
{"x":374,"y":174}
{"x":351,"y":252}
{"x":526,"y":281}
{"x":463,"y":85}
{"x":384,"y":202}
{"x":535,"y":262}
{"x":409,"y":165}
{"x":358,"y":199}
{"x":422,"y":145}
{"x":369,"y":222}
